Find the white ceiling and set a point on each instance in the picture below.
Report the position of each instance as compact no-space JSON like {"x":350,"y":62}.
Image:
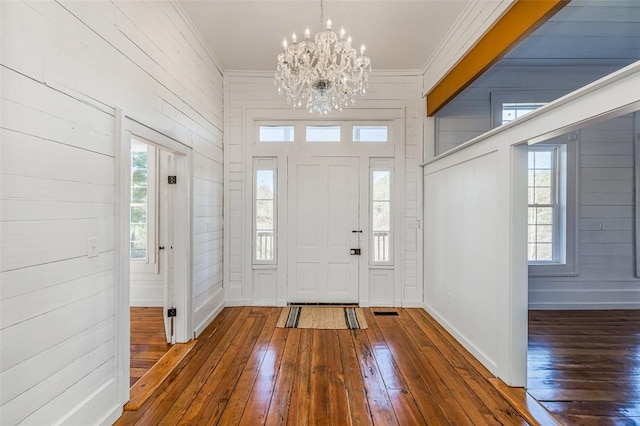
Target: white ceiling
{"x":398,"y":34}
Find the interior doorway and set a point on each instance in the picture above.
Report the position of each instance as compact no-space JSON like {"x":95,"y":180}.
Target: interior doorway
{"x":150,"y":262}
{"x":324,"y":230}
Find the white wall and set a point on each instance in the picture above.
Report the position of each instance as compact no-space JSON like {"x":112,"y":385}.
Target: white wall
{"x":66,"y":66}
{"x":606,"y":263}
{"x":252,"y":91}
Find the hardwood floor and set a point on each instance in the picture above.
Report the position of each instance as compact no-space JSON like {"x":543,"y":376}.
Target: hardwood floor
{"x":402,"y":370}
{"x":584,"y":366}
{"x":148,"y":341}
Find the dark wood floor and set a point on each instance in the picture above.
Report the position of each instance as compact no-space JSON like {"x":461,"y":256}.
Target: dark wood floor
{"x":148,"y":341}
{"x":584,"y":366}
{"x":402,"y":370}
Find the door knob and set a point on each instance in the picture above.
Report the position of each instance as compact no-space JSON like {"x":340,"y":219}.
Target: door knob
{"x":355,"y":252}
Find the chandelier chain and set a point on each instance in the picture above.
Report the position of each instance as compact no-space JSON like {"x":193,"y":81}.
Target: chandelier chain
{"x":321,"y":13}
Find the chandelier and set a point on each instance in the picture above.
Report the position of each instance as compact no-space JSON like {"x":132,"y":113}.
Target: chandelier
{"x":327,"y":73}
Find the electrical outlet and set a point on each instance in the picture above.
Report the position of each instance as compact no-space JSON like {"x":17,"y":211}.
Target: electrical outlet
{"x":92,"y":247}
{"x":600,"y":225}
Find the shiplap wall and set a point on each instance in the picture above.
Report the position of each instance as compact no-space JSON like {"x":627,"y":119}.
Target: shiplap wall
{"x":244,"y":91}
{"x":606,"y":168}
{"x":66,"y":66}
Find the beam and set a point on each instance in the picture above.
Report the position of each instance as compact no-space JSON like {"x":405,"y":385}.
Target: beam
{"x":524,"y":17}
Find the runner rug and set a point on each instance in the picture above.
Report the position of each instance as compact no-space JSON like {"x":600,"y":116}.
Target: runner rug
{"x":326,"y":318}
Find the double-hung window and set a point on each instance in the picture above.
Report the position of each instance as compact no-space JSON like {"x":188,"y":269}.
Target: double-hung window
{"x":544,"y":221}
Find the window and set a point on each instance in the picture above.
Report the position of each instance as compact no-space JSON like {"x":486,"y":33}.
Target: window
{"x":370,"y":133}
{"x":323,"y":134}
{"x":543,"y":196}
{"x":552,"y":189}
{"x":139,"y":201}
{"x":512,"y":111}
{"x":381,"y":212}
{"x":265,"y":210}
{"x":276,"y":134}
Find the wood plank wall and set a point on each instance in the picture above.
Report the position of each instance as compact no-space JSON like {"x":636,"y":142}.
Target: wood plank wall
{"x":605,"y":188}
{"x":257,"y":91}
{"x":65,"y":66}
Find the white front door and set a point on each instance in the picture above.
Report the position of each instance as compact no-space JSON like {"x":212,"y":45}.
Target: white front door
{"x":323,"y":215}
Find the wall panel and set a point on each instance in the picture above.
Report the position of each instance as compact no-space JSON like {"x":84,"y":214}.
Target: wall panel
{"x":66,"y":66}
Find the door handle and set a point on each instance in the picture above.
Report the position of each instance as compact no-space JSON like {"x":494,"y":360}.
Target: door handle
{"x":357,"y":232}
{"x":354,"y":252}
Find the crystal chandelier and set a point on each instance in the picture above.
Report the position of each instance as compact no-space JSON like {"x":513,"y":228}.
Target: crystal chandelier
{"x":327,"y":73}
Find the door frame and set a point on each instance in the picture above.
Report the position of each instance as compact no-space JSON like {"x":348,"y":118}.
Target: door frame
{"x":277,"y":273}
{"x":127,"y":126}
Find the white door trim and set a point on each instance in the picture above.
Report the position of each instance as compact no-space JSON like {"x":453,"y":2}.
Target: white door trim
{"x":183,"y":326}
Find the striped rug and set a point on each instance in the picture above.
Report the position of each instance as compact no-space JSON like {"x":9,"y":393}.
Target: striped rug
{"x":322,"y":317}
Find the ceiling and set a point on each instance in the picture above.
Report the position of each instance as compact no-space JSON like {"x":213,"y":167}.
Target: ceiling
{"x":584,"y":31}
{"x":398,"y":34}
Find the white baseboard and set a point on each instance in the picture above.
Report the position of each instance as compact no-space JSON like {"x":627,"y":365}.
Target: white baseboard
{"x":412,"y":304}
{"x":475,"y":351}
{"x":101,"y":407}
{"x":237,"y":302}
{"x":563,"y":306}
{"x":213,"y":306}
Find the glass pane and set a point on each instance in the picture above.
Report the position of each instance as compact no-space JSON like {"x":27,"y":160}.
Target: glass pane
{"x":542,"y":178}
{"x":381,"y":247}
{"x":530,"y":160}
{"x":544,"y":234}
{"x":264,"y":184}
{"x":139,"y":214}
{"x":323,"y":134}
{"x":532,"y":215}
{"x":139,"y":178}
{"x":543,"y":195}
{"x":381,"y":216}
{"x":544,"y":252}
{"x":139,"y":195}
{"x":370,"y":133}
{"x":264,"y":215}
{"x":542,"y":159}
{"x":531,"y":196}
{"x":276,"y":134}
{"x":531,"y":234}
{"x":544,"y":216}
{"x":264,"y":245}
{"x":381,"y":185}
{"x":139,"y":160}
{"x":531,"y":252}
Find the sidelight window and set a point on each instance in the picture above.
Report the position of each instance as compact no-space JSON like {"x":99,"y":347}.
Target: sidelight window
{"x":381,"y":220}
{"x":265,"y":177}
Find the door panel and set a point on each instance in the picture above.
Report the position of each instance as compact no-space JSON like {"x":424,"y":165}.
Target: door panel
{"x":323,"y":212}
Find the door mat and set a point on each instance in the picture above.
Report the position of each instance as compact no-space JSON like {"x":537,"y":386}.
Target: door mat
{"x":325,"y":318}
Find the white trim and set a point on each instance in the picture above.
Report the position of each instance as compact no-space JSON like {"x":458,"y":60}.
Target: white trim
{"x":121,"y":259}
{"x":636,"y":169}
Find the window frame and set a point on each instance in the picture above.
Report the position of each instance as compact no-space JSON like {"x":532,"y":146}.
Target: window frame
{"x":260,"y":164}
{"x":381,"y":165}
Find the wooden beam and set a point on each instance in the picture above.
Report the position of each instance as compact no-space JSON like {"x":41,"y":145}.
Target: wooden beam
{"x":524,"y":17}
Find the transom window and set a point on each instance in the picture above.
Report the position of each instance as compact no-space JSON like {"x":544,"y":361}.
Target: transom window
{"x":513,"y":110}
{"x":276,"y":133}
{"x":370,"y":133}
{"x":323,"y":134}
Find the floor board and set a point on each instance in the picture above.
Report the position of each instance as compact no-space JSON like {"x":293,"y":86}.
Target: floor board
{"x":403,"y":370}
{"x":148,"y":341}
{"x":584,"y":366}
